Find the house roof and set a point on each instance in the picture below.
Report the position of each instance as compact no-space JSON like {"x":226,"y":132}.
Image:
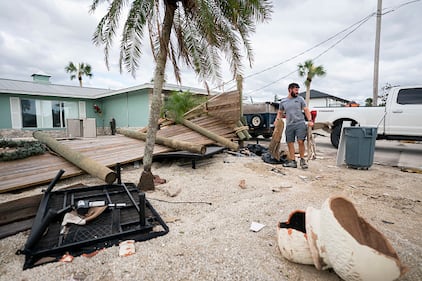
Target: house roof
{"x":319,"y":95}
{"x":9,"y":86}
{"x":166,"y":86}
{"x":46,"y":89}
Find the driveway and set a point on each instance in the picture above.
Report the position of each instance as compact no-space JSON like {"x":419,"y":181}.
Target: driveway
{"x":405,"y":155}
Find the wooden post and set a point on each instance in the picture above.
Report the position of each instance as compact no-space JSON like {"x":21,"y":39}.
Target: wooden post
{"x":87,"y":164}
{"x":221,"y":140}
{"x":239,"y":80}
{"x":274,"y":147}
{"x":176,"y":144}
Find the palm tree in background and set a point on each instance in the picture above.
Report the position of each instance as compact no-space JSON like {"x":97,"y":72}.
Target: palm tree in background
{"x":309,"y":70}
{"x":203,"y":31}
{"x":368,"y":102}
{"x":83,"y":69}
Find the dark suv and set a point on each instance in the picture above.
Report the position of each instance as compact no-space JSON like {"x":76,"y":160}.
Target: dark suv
{"x":260,"y":118}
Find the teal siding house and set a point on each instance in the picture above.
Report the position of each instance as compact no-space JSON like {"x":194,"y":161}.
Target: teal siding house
{"x":66,"y":111}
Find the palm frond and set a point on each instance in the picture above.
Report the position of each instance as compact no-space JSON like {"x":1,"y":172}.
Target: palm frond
{"x":106,"y":28}
{"x":133,"y":35}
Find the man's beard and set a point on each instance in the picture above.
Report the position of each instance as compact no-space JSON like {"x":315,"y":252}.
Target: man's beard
{"x":293,"y":94}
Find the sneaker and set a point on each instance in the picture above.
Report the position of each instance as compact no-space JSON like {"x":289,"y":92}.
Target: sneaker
{"x":303,"y":163}
{"x":290,"y":164}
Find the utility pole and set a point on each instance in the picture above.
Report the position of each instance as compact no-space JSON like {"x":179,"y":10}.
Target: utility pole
{"x":377,"y":55}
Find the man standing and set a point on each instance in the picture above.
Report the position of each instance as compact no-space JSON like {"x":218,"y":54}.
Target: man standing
{"x":296,"y":128}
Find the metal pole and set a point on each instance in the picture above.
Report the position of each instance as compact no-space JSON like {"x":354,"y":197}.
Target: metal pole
{"x":377,"y":54}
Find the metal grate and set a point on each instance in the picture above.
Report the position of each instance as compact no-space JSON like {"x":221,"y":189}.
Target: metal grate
{"x":128,"y":215}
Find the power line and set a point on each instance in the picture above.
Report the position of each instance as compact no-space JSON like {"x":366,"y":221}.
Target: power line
{"x":353,"y":26}
{"x":344,"y":37}
{"x":310,"y":49}
{"x":392,"y":9}
{"x":358,"y":23}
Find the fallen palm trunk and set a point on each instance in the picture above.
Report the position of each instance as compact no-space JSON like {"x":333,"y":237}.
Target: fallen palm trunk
{"x":326,"y":126}
{"x":274,"y":147}
{"x":221,"y":140}
{"x":311,"y":144}
{"x":176,"y":144}
{"x":87,"y":164}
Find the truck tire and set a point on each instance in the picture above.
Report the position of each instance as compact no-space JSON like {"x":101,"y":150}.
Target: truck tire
{"x":256,"y":121}
{"x":335,"y":135}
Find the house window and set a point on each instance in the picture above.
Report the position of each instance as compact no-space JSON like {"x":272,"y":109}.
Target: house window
{"x":46,"y":113}
{"x":58,"y":114}
{"x":29,"y":113}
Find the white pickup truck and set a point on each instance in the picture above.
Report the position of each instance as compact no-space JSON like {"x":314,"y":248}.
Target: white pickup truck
{"x":399,"y":119}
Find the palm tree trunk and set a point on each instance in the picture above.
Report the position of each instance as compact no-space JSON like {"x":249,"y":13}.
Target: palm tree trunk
{"x":146,"y":182}
{"x":308,"y":93}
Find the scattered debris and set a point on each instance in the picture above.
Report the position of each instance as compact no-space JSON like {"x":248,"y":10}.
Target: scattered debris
{"x":92,"y":254}
{"x":171,"y":219}
{"x":278,"y":171}
{"x":172,"y":191}
{"x":67,"y":258}
{"x":256,"y":149}
{"x":268,"y":158}
{"x":304,"y":178}
{"x":412,"y":170}
{"x":126,"y":248}
{"x":242,"y":184}
{"x":256,"y":226}
{"x":78,"y":276}
{"x":234,"y":153}
{"x":158,"y":180}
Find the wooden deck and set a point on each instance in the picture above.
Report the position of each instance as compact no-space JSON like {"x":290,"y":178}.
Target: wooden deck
{"x":107,"y":150}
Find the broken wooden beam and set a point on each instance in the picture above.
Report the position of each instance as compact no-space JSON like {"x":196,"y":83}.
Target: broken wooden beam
{"x":85,"y":163}
{"x":221,"y":140}
{"x":274,"y":147}
{"x":175,"y":144}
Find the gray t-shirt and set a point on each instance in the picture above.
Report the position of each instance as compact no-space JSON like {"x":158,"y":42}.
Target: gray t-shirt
{"x":293,"y":108}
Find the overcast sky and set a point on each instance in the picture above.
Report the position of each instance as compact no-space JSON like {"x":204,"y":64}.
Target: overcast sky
{"x":43,"y":36}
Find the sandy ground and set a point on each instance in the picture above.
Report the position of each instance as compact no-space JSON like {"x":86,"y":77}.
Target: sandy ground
{"x":214,"y":241}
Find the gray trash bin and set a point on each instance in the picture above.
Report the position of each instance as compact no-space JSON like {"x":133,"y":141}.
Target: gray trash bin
{"x":360,"y":146}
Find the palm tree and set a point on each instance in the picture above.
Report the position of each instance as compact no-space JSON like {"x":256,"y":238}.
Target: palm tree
{"x":202,"y":31}
{"x":309,"y":70}
{"x":78,"y":71}
{"x":368,"y":102}
{"x":179,"y":103}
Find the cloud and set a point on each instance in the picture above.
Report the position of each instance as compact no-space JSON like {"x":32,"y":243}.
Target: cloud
{"x":45,"y":35}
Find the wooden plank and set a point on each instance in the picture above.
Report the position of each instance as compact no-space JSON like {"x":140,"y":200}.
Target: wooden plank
{"x":107,"y":150}
{"x":18,"y":215}
{"x":15,"y":227}
{"x":19,"y":209}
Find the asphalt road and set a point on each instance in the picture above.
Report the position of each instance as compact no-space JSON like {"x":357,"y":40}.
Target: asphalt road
{"x":390,"y":153}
